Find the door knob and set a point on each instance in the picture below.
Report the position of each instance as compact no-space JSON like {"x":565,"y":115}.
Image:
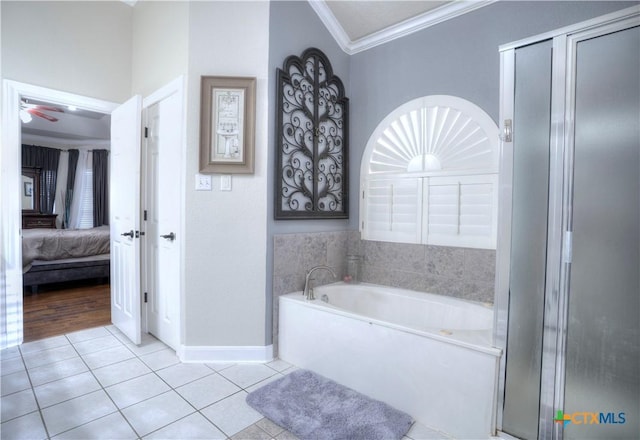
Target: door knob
{"x":170,"y":236}
{"x":128,"y":234}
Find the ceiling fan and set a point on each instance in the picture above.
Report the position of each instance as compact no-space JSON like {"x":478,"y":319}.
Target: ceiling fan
{"x":28,"y":108}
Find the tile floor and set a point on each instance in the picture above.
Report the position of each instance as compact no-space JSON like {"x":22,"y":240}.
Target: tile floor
{"x":95,"y":384}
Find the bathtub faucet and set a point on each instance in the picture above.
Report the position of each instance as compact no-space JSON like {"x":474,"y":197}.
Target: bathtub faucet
{"x":308,"y":290}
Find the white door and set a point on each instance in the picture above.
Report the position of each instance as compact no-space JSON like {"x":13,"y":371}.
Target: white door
{"x":124,"y":218}
{"x":162,"y":208}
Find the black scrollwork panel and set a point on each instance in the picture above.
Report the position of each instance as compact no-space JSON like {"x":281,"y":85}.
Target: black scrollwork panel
{"x":311,"y":177}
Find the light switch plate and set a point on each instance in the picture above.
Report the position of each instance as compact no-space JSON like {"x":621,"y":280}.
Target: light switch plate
{"x":225,"y":182}
{"x":203,"y":182}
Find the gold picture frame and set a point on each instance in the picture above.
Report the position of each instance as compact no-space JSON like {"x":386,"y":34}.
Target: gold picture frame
{"x":227,"y":124}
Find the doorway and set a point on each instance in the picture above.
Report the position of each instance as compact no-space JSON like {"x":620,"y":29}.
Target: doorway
{"x":568,"y":291}
{"x":11,"y":286}
{"x":11,"y":296}
{"x":63,"y":296}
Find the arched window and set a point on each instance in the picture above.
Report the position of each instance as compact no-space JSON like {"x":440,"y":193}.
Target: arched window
{"x":430,"y":175}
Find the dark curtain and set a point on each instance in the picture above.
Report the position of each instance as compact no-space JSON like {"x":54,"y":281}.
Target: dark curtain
{"x":71,"y":180}
{"x":47,"y":160}
{"x":100,"y":187}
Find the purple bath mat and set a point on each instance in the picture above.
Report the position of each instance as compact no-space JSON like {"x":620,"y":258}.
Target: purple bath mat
{"x":315,"y":408}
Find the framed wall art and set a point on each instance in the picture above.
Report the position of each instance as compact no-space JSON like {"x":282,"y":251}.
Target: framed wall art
{"x":227,"y":124}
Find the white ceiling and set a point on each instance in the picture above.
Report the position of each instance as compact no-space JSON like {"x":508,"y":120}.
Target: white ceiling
{"x":358,"y":25}
{"x":362,"y":18}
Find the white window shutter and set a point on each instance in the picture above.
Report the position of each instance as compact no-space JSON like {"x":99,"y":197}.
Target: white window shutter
{"x":462,"y":211}
{"x":393,"y":210}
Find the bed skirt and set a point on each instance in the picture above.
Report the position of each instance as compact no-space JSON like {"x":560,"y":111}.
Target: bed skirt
{"x":44,"y":272}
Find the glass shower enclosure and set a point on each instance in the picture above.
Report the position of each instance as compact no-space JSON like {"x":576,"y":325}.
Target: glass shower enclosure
{"x":568,"y":273}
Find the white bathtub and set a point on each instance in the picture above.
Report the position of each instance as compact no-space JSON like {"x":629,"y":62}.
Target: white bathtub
{"x":428,"y":355}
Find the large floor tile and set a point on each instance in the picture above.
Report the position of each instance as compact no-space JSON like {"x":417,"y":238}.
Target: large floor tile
{"x":232,"y":414}
{"x":111,"y":427}
{"x":155,"y":413}
{"x":146,"y":347}
{"x":270,"y":427}
{"x":76,"y":412}
{"x":96,"y":344}
{"x":192,"y":427}
{"x":208,"y":390}
{"x":10,"y":366}
{"x":279,"y":365}
{"x":10,"y":353}
{"x":160,"y":359}
{"x":253,"y":432}
{"x":136,"y":390}
{"x":14,"y":382}
{"x":49,"y":356}
{"x":85,"y":335}
{"x":180,"y":374}
{"x":57,"y":370}
{"x":264,"y":382}
{"x":18,"y":404}
{"x":65,"y":389}
{"x":107,"y":357}
{"x":120,"y":372}
{"x":44,"y":344}
{"x":245,"y":375}
{"x":219,"y":366}
{"x":26,"y":427}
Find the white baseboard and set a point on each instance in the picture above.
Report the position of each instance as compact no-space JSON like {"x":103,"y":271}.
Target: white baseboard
{"x":206,"y":354}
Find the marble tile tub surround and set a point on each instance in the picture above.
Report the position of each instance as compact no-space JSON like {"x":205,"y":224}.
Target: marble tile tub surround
{"x":294,"y":254}
{"x":460,"y":272}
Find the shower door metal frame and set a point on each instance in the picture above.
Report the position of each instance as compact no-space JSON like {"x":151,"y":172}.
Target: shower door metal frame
{"x":559,"y":223}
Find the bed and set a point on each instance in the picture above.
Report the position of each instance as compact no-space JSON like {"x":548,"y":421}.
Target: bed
{"x":59,"y":255}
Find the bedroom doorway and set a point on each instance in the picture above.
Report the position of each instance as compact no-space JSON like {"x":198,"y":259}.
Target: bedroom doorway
{"x":63,"y":294}
{"x":11,"y":284}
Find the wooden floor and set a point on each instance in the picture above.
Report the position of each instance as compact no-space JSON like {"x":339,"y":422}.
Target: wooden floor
{"x":62,"y":308}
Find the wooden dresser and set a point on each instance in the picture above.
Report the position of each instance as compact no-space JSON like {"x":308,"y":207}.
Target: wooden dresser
{"x":35,"y":220}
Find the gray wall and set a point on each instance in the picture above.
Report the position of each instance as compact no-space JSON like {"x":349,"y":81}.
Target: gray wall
{"x":294,"y":27}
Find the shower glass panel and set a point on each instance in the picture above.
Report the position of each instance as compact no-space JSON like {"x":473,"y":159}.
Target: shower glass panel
{"x":603,"y":359}
{"x":531,"y":127}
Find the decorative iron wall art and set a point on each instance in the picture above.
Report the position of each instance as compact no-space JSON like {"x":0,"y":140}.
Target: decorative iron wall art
{"x":311,"y":140}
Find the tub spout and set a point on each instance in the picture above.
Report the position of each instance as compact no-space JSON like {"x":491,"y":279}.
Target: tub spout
{"x":308,"y":290}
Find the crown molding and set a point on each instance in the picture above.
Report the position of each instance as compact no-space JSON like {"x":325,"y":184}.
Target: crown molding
{"x":332,"y":24}
{"x":399,"y":30}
